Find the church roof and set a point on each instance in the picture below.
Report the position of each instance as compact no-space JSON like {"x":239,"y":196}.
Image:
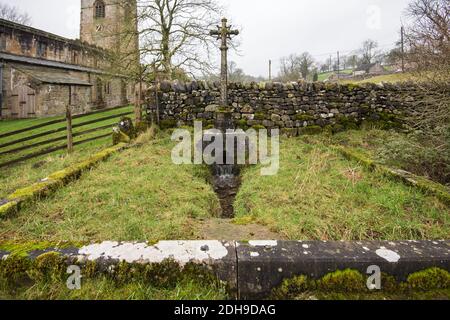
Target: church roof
{"x":6,"y":24}
{"x":46,"y":63}
{"x":54,"y":76}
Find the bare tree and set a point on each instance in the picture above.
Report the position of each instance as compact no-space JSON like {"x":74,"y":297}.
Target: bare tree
{"x":175,"y":33}
{"x":352,"y":61}
{"x":368,"y":51}
{"x":428,"y":37}
{"x":428,"y":56}
{"x":13,"y":14}
{"x":295,"y":67}
{"x":306,"y":62}
{"x":289,"y":70}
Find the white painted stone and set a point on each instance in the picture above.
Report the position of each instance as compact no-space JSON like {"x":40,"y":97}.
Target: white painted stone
{"x":305,"y":246}
{"x":180,"y":251}
{"x":263,"y":243}
{"x":388,"y":255}
{"x":254,"y":254}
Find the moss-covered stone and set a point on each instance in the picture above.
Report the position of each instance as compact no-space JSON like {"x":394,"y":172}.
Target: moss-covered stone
{"x":430,"y":279}
{"x":343,"y":281}
{"x":348,"y":123}
{"x":304,"y":117}
{"x":351,"y":284}
{"x":258,"y":127}
{"x":294,"y":287}
{"x":353,"y":155}
{"x":242,"y":124}
{"x":260,"y":116}
{"x":49,"y":266}
{"x":167,"y":124}
{"x":8,"y":208}
{"x":310,"y":130}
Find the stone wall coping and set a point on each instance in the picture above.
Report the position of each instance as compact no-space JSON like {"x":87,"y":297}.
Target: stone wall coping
{"x":187,"y":87}
{"x":254,"y":268}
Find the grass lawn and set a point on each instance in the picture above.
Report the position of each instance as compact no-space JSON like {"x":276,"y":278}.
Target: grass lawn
{"x":13,"y":125}
{"x":22,"y":174}
{"x":317,"y":195}
{"x":136,"y":195}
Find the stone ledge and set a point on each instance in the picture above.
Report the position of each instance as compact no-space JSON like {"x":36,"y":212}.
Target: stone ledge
{"x":427,"y":186}
{"x":216,"y":257}
{"x":54,"y":181}
{"x":254,"y":269}
{"x":264,"y":265}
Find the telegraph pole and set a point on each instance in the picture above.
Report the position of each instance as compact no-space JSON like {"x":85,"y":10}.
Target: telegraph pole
{"x":270,"y":70}
{"x":338,"y":64}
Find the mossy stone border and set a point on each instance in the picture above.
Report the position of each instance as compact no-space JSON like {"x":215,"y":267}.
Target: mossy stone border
{"x":427,"y":186}
{"x":54,"y":181}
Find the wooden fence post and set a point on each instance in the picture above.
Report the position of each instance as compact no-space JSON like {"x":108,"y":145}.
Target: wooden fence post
{"x":69,"y":130}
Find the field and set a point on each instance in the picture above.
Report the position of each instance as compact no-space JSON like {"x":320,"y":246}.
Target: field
{"x":317,"y":195}
{"x":324,"y":76}
{"x":24,"y":173}
{"x":389,"y":78}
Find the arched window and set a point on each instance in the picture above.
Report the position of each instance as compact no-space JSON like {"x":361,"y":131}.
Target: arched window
{"x":99,"y":9}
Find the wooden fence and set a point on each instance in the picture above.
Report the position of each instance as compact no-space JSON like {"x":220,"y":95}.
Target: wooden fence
{"x":68,"y":133}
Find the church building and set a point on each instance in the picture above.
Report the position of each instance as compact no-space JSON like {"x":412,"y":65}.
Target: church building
{"x":43,"y":73}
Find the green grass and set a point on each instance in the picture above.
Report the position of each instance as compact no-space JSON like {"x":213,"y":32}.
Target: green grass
{"x":389,"y":78}
{"x":106,"y":289}
{"x":136,"y":195}
{"x":326,"y":75}
{"x":13,"y":125}
{"x":29,"y":171}
{"x":318,"y":195}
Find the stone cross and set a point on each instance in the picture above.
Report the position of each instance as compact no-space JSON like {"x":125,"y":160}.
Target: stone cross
{"x":224,"y":33}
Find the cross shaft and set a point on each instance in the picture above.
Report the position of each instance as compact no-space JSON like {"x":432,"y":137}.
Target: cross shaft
{"x":224,"y":33}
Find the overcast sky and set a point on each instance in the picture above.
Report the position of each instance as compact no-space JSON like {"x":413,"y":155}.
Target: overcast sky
{"x":270,"y":28}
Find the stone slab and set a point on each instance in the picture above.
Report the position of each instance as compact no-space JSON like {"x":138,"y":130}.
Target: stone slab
{"x":263,"y":265}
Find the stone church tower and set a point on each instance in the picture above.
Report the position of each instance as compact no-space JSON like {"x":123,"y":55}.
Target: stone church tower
{"x":110,"y":24}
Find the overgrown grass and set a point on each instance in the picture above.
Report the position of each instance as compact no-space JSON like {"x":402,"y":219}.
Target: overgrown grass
{"x":106,"y":289}
{"x":317,"y":195}
{"x":410,"y":152}
{"x":137,"y":195}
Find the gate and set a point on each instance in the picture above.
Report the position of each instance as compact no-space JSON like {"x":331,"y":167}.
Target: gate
{"x":24,"y":102}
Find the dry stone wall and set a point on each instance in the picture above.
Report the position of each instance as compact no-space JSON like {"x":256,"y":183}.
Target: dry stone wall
{"x":295,"y":108}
